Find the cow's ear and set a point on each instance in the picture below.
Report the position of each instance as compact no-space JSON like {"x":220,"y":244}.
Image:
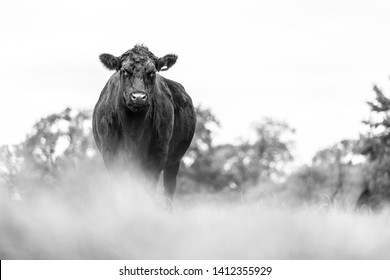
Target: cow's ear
{"x":110,"y":61}
{"x":166,"y":62}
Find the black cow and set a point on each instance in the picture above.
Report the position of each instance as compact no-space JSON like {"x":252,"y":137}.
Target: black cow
{"x":142,"y":121}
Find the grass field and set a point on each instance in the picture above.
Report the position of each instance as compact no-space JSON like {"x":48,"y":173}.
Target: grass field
{"x":97,"y":219}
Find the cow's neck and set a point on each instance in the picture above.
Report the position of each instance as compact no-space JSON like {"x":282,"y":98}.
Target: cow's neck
{"x":134,"y":124}
{"x":135,"y":132}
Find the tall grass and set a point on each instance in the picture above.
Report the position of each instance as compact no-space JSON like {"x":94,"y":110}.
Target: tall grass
{"x":94,"y":217}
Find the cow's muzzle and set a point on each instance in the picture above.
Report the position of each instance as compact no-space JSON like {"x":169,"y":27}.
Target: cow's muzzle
{"x":137,"y":101}
{"x":139,"y":97}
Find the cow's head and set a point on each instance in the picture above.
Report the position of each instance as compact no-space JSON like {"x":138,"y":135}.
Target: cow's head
{"x":137,"y":69}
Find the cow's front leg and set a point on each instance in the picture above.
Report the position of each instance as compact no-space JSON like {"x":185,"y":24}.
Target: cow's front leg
{"x":170,"y":174}
{"x":153,"y":169}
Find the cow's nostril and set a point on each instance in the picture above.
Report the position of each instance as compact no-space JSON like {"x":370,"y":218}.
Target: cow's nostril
{"x":139,"y":97}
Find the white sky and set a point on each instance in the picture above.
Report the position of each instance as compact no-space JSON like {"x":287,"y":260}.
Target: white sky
{"x":311,"y":63}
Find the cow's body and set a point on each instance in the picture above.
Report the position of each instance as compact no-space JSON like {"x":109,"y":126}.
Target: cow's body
{"x":148,"y":132}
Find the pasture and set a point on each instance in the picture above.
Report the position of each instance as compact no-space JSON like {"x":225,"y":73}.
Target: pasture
{"x":283,"y":148}
{"x":90,"y":217}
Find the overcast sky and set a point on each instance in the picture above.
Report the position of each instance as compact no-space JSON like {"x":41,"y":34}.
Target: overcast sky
{"x":310,"y":63}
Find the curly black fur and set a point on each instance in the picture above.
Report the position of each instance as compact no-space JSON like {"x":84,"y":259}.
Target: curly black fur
{"x":138,"y":54}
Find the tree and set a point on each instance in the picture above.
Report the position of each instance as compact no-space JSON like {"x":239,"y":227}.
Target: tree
{"x":376,"y":146}
{"x":334,"y":173}
{"x":271,"y":151}
{"x":56,"y":143}
{"x":232,"y":166}
{"x":337,"y":160}
{"x":262,"y":158}
{"x":199,"y":165}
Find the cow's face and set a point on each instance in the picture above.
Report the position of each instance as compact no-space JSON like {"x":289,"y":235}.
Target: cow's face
{"x":137,"y":76}
{"x":137,"y":70}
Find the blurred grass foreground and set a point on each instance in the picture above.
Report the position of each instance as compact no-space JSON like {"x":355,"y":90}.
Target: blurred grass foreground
{"x":92,"y":218}
{"x":235,"y":200}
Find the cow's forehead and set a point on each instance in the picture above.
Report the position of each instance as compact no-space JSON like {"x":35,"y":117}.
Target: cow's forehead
{"x":133,"y":59}
{"x":139,"y":53}
{"x":136,"y":61}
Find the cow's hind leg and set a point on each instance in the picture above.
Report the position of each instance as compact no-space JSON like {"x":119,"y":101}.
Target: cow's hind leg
{"x":170,"y":174}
